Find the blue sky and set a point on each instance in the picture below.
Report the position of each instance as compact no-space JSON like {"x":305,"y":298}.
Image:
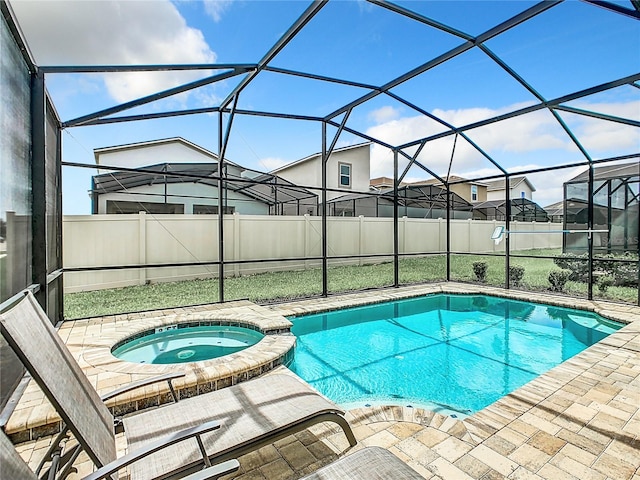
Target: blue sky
{"x":570,"y":47}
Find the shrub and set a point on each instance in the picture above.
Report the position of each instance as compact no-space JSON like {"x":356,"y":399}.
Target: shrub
{"x":578,"y":266}
{"x":624,"y":274}
{"x":558,"y":279}
{"x":604,"y":283}
{"x":516,"y":272}
{"x":480,"y":270}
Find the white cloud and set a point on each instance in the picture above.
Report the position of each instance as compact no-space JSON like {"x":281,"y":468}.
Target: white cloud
{"x":115,"y":32}
{"x":534,"y":134}
{"x":384,"y":114}
{"x":619,"y":109}
{"x":215,"y":8}
{"x":271,"y":163}
{"x":601,"y":136}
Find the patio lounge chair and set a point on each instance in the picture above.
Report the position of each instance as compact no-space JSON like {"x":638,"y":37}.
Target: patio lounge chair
{"x":247,"y":416}
{"x":13,"y":467}
{"x":371,"y":463}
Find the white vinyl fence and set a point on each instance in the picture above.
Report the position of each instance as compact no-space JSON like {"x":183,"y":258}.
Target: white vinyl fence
{"x":116,"y":240}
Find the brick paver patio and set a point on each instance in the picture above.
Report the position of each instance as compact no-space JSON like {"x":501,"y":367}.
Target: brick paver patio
{"x":580,"y":420}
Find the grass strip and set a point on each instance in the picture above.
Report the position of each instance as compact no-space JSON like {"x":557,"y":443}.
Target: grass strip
{"x":289,"y":285}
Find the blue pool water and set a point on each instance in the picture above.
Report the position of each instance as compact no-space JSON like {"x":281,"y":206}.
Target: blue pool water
{"x":449,"y":353}
{"x":177,"y":344}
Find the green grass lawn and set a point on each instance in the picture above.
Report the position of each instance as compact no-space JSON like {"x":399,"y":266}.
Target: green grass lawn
{"x":278,"y":286}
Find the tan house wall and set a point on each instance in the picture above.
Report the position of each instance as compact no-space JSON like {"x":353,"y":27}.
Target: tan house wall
{"x":464,"y":190}
{"x":308,"y":172}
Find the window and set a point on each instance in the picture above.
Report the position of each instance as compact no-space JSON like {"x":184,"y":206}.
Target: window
{"x":474,"y":193}
{"x":121,"y":206}
{"x":522,"y":195}
{"x":212,"y":210}
{"x":345,"y":174}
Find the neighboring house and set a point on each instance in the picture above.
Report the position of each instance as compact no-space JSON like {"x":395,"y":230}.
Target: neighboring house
{"x":519,"y":187}
{"x":382,"y":183}
{"x":555,"y":211}
{"x":155,"y":191}
{"x":154,"y":152}
{"x":348,"y":169}
{"x":469,"y":190}
{"x":616,"y":208}
{"x":414,"y":201}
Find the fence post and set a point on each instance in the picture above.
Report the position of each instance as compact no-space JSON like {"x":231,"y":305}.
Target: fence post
{"x":360,"y":237}
{"x":493,"y":228}
{"x":142,"y":247}
{"x":307,"y":239}
{"x":236,"y":244}
{"x":404,"y":234}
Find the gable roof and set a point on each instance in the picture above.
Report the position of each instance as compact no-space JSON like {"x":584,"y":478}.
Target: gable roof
{"x":495,"y":185}
{"x":315,"y":155}
{"x":555,"y":209}
{"x":152,"y":143}
{"x":452,"y":178}
{"x":609,"y":171}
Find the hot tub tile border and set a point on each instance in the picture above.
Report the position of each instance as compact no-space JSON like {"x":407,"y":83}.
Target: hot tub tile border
{"x":93,"y":352}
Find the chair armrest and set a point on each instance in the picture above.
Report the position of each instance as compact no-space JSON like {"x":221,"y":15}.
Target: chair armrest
{"x":143,"y":383}
{"x":215,"y":471}
{"x":152,"y":447}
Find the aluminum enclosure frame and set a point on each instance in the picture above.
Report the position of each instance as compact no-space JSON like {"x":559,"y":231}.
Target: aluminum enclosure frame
{"x":227,"y":110}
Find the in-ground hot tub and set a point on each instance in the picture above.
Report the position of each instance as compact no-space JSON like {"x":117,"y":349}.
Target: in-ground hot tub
{"x":185,"y":343}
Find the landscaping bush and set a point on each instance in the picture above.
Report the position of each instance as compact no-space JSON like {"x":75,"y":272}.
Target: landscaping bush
{"x":604,"y":283}
{"x":516,"y":272}
{"x":558,"y":279}
{"x":577,"y":266}
{"x":480,"y":270}
{"x":623,"y":274}
{"x":626,"y":275}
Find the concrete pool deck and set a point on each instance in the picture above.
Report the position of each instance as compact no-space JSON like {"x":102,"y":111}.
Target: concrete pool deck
{"x":579,"y":420}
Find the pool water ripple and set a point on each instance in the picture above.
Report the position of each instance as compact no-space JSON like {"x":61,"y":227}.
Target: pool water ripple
{"x":458,"y":352}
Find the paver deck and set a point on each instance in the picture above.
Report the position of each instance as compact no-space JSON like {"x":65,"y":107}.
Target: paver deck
{"x":580,"y":420}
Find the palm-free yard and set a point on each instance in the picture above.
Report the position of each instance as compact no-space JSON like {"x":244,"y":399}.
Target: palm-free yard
{"x":280,"y":286}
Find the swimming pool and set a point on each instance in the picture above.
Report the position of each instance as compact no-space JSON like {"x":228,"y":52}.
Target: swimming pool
{"x":450,"y":353}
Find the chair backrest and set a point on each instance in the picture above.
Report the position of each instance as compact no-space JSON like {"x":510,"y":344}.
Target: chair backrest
{"x":30,"y":334}
{"x":13,"y":466}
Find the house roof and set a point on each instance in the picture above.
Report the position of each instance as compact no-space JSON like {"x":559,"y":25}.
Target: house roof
{"x":555,"y":208}
{"x":609,"y":171}
{"x":451,"y":178}
{"x":496,"y":185}
{"x":150,"y":143}
{"x":315,"y":155}
{"x":383,"y":182}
